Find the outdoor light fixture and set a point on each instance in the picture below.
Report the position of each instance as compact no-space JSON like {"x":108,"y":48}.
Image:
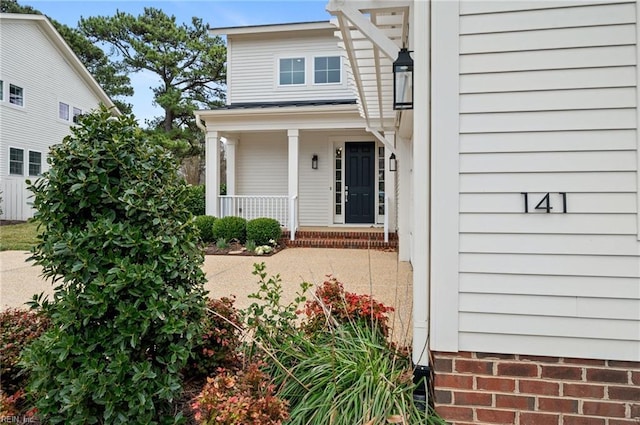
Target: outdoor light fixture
{"x":403,"y":81}
{"x":393,"y":164}
{"x":314,"y":162}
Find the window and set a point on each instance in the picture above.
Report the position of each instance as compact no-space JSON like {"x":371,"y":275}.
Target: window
{"x":1,"y":90}
{"x":338,"y":201}
{"x":327,"y":70}
{"x":16,"y":95}
{"x":76,"y":113}
{"x":291,"y":71}
{"x":381,"y":194}
{"x":35,"y":163}
{"x":16,"y":161}
{"x":63,"y":111}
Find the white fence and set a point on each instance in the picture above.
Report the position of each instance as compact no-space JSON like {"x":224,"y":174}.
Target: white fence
{"x":250,"y":207}
{"x":17,"y":200}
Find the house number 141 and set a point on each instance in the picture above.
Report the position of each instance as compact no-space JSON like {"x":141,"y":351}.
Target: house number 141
{"x":545,"y":202}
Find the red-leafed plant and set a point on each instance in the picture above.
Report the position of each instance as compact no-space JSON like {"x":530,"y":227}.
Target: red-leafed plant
{"x":246,"y":397}
{"x":333,"y":301}
{"x":218,"y":346}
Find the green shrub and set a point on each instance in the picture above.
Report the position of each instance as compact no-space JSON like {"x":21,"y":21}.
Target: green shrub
{"x":129,"y":301}
{"x":230,"y":228}
{"x":204,"y":223}
{"x":264,"y":231}
{"x":18,"y":328}
{"x":196,"y":199}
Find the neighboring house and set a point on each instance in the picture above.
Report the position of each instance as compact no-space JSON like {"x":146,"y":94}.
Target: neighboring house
{"x":516,"y":190}
{"x":43,"y":87}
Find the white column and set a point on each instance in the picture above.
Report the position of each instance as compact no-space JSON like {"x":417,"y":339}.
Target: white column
{"x":404,"y":176}
{"x":212,"y":170}
{"x":294,"y":149}
{"x":231,"y":165}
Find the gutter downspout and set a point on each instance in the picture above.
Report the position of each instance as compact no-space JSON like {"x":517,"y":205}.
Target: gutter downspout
{"x":421,"y":226}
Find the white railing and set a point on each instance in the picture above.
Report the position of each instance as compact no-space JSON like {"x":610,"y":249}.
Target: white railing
{"x":293,"y":206}
{"x":255,"y":206}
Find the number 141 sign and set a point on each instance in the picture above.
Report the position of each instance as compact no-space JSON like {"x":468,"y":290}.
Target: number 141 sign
{"x":549,"y":201}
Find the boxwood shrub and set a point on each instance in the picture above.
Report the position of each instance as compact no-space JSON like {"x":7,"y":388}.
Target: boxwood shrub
{"x":195,"y":199}
{"x":204,"y":223}
{"x":230,"y":227}
{"x":262,"y":230}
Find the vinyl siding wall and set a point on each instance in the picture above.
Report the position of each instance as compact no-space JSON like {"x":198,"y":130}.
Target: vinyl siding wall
{"x":261,"y":164}
{"x":46,"y":78}
{"x":548,"y":103}
{"x":253,"y":68}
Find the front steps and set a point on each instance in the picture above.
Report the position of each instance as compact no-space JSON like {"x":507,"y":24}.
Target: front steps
{"x":336,"y":238}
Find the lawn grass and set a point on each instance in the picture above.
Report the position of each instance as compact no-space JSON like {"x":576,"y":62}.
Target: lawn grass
{"x":18,"y":237}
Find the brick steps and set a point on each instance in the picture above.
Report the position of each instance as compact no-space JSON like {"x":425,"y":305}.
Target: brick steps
{"x":341,"y":239}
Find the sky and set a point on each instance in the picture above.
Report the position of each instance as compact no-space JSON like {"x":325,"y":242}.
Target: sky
{"x":215,"y":13}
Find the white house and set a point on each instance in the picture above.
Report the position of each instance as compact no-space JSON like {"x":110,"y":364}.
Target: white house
{"x":43,"y":86}
{"x":516,"y":191}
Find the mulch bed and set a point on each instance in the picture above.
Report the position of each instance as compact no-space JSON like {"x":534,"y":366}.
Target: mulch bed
{"x":237,"y":249}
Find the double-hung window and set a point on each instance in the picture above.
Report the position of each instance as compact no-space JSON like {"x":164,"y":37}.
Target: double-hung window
{"x":327,"y":70}
{"x":292,"y":71}
{"x":16,"y":161}
{"x":16,"y":95}
{"x":63,"y":111}
{"x":35,"y":163}
{"x":76,"y":113}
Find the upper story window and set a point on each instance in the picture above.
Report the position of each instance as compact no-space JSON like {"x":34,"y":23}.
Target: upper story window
{"x":63,"y":111}
{"x":16,"y":95}
{"x":327,"y":70}
{"x":292,"y":71}
{"x":16,"y":161}
{"x":35,"y":163}
{"x":76,"y":113}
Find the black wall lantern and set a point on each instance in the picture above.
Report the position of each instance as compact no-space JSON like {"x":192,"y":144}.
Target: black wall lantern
{"x":314,"y":162}
{"x":393,"y":164}
{"x":403,"y":81}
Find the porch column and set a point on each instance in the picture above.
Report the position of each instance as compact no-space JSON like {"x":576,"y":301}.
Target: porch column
{"x":405,"y":183}
{"x":231,"y":165}
{"x":294,"y":149}
{"x":212,"y":170}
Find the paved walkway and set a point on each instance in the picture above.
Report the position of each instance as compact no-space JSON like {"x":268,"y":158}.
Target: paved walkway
{"x":361,"y":271}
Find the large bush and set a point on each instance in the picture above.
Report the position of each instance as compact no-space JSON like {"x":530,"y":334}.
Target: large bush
{"x":119,"y":243}
{"x":263,"y":230}
{"x":195,"y":199}
{"x":204,"y":223}
{"x":230,"y":228}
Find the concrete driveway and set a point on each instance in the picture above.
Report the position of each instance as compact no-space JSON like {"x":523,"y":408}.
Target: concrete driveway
{"x":361,"y":271}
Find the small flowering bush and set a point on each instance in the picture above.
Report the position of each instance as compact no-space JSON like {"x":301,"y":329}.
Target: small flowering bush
{"x":332,"y":299}
{"x":220,"y":338}
{"x":246,"y":398}
{"x":18,"y":328}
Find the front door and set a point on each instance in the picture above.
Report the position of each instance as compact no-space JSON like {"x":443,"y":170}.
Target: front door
{"x":359,"y":182}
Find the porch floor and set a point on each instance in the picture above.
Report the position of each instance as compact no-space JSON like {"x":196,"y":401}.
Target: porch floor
{"x":351,"y":237}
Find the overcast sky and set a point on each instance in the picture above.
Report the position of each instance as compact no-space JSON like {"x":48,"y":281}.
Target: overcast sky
{"x":215,"y":13}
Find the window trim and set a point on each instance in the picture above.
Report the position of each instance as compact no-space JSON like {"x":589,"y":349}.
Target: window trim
{"x":336,"y":83}
{"x":292,"y":57}
{"x":22,"y":96}
{"x":29,"y":152}
{"x":10,"y":161}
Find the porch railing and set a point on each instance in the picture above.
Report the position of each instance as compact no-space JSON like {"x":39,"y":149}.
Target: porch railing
{"x":255,"y":206}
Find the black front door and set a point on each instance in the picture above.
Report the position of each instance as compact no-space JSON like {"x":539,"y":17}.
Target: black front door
{"x":359,"y":182}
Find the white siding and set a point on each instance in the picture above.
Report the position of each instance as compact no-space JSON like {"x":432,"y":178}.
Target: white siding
{"x":314,"y":197}
{"x":253,"y":68}
{"x":548,"y":103}
{"x":39,"y":68}
{"x":261,"y":164}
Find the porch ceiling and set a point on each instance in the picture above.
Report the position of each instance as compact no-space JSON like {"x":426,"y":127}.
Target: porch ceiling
{"x":372,"y":33}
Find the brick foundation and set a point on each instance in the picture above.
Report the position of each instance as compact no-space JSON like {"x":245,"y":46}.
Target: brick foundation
{"x":483,"y":388}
